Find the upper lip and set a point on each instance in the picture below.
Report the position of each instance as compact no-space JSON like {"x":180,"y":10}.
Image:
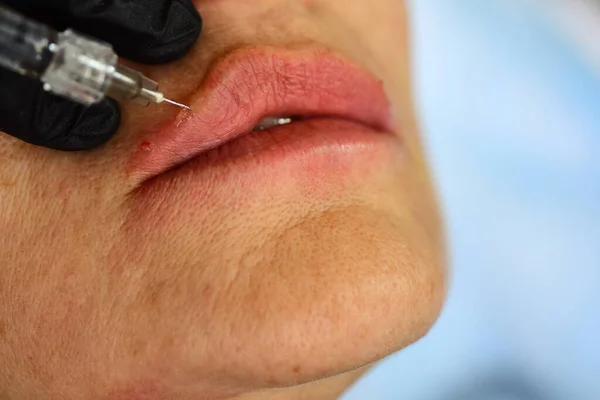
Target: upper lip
{"x":250,"y":84}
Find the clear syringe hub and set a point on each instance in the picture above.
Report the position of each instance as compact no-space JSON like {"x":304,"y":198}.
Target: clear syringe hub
{"x":88,"y":70}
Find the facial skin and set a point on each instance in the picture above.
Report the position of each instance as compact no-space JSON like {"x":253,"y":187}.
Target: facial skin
{"x":277,"y":293}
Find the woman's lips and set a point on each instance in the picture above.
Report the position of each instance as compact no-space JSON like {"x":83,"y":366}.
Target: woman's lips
{"x":253,"y":83}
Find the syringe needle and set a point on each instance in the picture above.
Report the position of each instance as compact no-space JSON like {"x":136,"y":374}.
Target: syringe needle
{"x":178,"y":104}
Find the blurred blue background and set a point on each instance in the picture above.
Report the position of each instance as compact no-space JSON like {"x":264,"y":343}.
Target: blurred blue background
{"x":511,"y":113}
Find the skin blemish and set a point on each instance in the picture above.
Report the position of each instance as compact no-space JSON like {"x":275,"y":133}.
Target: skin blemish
{"x":206,"y":293}
{"x":146,"y":147}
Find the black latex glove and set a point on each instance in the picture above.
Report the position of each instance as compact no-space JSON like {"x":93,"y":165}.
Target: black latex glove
{"x":147,"y":31}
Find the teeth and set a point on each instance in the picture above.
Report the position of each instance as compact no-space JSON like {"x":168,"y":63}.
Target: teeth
{"x":271,"y":122}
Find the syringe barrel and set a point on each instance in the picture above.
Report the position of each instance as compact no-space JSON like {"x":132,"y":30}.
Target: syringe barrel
{"x":69,"y":63}
{"x":24,"y":44}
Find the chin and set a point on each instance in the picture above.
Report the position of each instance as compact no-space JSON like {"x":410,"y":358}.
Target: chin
{"x":336,"y":292}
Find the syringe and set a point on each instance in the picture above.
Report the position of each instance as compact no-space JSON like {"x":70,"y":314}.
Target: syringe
{"x":71,"y":65}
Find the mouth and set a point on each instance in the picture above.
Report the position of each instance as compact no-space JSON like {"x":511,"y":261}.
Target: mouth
{"x":271,"y":122}
{"x":263,"y":89}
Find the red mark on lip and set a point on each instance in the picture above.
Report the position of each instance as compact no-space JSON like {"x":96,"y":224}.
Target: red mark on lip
{"x":146,"y":147}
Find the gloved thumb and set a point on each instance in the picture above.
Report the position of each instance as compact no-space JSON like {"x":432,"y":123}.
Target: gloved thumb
{"x":35,"y":116}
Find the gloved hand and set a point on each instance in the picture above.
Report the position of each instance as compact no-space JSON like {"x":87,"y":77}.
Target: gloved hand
{"x":147,"y":31}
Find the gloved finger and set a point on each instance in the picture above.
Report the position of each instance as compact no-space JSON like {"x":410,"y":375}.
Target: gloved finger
{"x":33,"y":115}
{"x":147,"y":31}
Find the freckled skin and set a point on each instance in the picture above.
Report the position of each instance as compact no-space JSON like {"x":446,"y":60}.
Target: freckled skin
{"x":287,"y":292}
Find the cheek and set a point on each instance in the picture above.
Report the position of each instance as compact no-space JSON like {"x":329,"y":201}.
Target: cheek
{"x":381,"y":28}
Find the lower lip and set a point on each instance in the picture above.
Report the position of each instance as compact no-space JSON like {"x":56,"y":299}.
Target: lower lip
{"x":319,"y":151}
